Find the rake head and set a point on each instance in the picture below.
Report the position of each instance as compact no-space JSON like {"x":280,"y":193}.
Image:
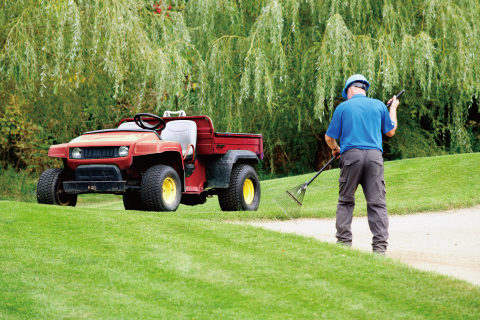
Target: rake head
{"x":291,"y":200}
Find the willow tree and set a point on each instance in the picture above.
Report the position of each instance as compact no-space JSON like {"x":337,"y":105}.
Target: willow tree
{"x":271,"y":66}
{"x":279,"y":67}
{"x":63,"y":54}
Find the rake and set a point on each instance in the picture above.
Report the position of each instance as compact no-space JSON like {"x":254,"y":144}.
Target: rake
{"x":292,"y":199}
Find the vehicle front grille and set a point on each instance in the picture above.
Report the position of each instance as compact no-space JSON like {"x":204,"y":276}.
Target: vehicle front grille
{"x":99,"y":152}
{"x":98,"y":173}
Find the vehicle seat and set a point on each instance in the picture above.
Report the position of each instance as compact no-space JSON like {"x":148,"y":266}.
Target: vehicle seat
{"x":183,"y":132}
{"x":179,"y":113}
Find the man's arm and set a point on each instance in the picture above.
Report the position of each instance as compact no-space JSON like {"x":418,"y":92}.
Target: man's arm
{"x":393,"y":115}
{"x":332,"y":144}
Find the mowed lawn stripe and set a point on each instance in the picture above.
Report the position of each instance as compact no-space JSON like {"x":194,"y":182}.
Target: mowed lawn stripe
{"x":83,"y":263}
{"x":413,"y":185}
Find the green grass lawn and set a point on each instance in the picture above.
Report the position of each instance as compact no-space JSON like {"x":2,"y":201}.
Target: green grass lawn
{"x":414,"y":185}
{"x":75,"y":263}
{"x":100,"y":261}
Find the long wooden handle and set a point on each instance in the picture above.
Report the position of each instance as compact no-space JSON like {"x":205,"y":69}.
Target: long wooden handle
{"x":328,"y":163}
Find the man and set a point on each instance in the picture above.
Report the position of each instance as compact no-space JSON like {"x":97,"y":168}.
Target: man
{"x":359,"y":122}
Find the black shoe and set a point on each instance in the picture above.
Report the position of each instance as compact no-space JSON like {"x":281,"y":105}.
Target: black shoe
{"x":346,"y":244}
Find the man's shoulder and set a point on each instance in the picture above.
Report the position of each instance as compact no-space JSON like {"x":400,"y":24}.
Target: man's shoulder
{"x":362,"y":101}
{"x":342,"y":105}
{"x":375,"y":101}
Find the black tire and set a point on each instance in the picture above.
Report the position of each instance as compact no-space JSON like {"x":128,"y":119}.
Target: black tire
{"x":132,"y":201}
{"x":233,"y":198}
{"x":154,"y":197}
{"x":50,"y":188}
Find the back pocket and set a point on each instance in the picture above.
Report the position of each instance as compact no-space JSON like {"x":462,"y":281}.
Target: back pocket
{"x":378,"y":161}
{"x":349,"y":162}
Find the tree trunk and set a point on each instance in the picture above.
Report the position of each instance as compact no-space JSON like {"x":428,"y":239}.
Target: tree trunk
{"x":322,"y":155}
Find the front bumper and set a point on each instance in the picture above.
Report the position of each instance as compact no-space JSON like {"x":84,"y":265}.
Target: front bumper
{"x":79,"y":187}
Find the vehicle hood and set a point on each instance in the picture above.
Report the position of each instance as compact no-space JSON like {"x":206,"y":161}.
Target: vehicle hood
{"x":103,"y":139}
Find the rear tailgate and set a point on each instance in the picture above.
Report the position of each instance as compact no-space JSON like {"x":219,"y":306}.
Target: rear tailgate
{"x":224,"y":142}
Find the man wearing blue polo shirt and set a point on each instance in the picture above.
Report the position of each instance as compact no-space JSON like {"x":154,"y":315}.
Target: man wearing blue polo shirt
{"x":359,"y":123}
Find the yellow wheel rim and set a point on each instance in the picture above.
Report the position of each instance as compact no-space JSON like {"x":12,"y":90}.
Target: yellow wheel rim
{"x":61,"y":195}
{"x":169,"y":190}
{"x":248,"y":191}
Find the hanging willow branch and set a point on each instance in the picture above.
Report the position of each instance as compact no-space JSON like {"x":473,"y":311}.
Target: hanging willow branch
{"x":426,"y":47}
{"x":275,"y":66}
{"x":125,"y":39}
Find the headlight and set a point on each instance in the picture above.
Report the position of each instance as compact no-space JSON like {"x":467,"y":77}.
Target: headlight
{"x":76,"y":153}
{"x":123,"y":151}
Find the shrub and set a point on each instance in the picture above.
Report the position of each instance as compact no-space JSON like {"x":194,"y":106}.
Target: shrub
{"x":17,"y":185}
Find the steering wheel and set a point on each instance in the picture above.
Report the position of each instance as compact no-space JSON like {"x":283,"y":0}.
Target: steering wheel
{"x":139,"y":122}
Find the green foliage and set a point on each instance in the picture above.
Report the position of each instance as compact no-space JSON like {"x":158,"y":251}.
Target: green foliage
{"x":411,"y":141}
{"x":18,"y":186}
{"x":21,"y":140}
{"x":275,"y":67}
{"x":473,"y":129}
{"x":71,"y":40}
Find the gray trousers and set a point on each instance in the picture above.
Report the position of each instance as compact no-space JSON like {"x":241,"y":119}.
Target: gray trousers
{"x":363,"y":167}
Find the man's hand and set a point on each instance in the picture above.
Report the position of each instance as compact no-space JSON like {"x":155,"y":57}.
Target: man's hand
{"x":332,"y":144}
{"x":336,"y":151}
{"x":393,"y":115}
{"x":394,"y":102}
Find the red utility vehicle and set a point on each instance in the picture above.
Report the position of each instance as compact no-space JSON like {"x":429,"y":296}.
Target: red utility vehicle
{"x":156,"y":163}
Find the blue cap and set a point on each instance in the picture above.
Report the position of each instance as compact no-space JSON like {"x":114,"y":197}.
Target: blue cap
{"x":352,"y":79}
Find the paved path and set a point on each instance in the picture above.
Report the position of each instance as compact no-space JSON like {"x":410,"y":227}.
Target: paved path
{"x":447,"y":242}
